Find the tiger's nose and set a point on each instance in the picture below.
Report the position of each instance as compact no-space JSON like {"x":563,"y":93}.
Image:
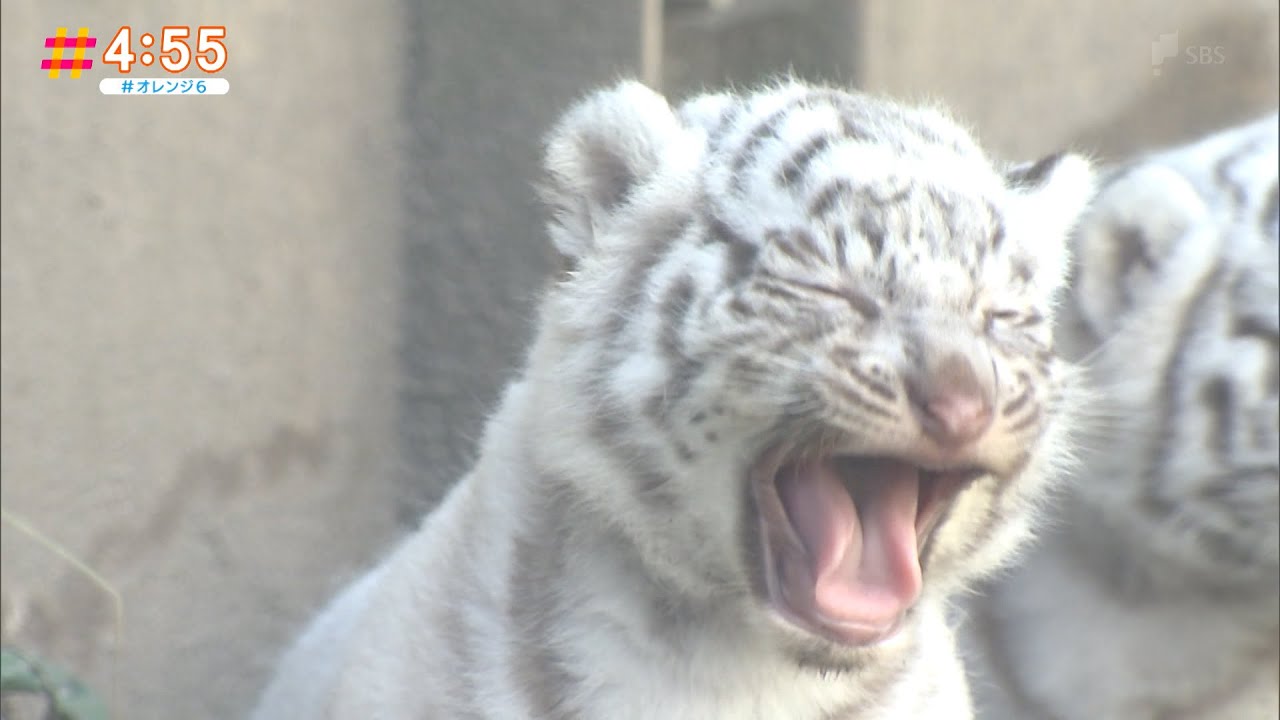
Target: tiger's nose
{"x":955,"y":418}
{"x":952,"y":402}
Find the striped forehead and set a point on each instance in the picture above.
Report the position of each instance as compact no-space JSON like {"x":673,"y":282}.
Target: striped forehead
{"x":868,"y":180}
{"x":809,"y":121}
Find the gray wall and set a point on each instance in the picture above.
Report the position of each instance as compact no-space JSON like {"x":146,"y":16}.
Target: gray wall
{"x":246,"y":341}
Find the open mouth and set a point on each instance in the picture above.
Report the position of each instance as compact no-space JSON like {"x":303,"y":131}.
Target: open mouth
{"x":841,"y":538}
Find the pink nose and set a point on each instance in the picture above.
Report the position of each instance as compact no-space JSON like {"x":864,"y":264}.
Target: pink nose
{"x":955,"y":417}
{"x":952,"y":399}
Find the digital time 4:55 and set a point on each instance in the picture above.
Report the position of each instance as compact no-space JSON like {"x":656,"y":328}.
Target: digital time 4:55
{"x":174,"y":54}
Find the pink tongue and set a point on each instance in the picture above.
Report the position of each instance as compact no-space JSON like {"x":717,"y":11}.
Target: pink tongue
{"x":864,"y":572}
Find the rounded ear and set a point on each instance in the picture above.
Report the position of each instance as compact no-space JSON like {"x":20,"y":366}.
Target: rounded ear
{"x":600,"y":152}
{"x":1127,"y":239}
{"x":1049,"y":196}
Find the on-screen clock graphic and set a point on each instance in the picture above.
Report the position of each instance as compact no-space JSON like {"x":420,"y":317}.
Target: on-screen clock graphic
{"x":175,"y":49}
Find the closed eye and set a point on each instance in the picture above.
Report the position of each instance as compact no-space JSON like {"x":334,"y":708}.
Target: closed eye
{"x":1001,"y":316}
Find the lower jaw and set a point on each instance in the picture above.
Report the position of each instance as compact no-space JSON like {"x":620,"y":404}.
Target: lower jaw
{"x":852,"y":637}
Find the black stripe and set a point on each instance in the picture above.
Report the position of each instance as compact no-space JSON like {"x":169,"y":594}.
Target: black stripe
{"x":800,"y":332}
{"x":723,"y":124}
{"x":684,"y":370}
{"x":891,"y":279}
{"x":683,"y":376}
{"x":541,"y":674}
{"x":646,"y":256}
{"x":1218,"y":398}
{"x":1031,"y":319}
{"x":873,"y":232}
{"x":1032,"y":177}
{"x":615,"y":433}
{"x":877,"y":200}
{"x":1168,"y":410}
{"x":1224,"y":547}
{"x":861,"y":401}
{"x":943,"y":202}
{"x":783,"y":242}
{"x":1020,"y":269}
{"x":672,"y":312}
{"x":809,"y":244}
{"x":1016,"y":404}
{"x":739,"y":306}
{"x":1132,"y":249}
{"x":1027,"y":421}
{"x":845,"y":355}
{"x":758,"y":135}
{"x":826,"y":198}
{"x":841,"y":238}
{"x":798,"y":163}
{"x":997,"y":238}
{"x":1269,"y":218}
{"x":873,"y":384}
{"x":741,"y":254}
{"x":861,"y":302}
{"x":1222,"y":171}
{"x":1221,"y":488}
{"x":1251,"y":326}
{"x":778,"y":290}
{"x":854,"y":116}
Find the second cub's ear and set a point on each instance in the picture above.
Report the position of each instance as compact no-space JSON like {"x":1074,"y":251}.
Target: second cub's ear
{"x":1139,"y":232}
{"x":598,"y":155}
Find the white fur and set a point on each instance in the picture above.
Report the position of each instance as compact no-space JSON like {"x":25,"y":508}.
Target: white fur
{"x":591,"y":564}
{"x":1122,"y":612}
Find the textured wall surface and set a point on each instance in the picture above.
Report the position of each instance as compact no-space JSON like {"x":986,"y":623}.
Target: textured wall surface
{"x":243,"y":336}
{"x":485,"y":81}
{"x":1036,"y":76}
{"x":198,"y":316}
{"x":246,"y":341}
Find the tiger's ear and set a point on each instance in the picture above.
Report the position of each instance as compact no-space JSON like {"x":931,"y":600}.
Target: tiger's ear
{"x":1049,"y":196}
{"x":604,"y":148}
{"x":1125,"y":243}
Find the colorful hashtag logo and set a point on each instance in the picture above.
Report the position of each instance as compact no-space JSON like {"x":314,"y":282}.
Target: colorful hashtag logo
{"x":77,"y":61}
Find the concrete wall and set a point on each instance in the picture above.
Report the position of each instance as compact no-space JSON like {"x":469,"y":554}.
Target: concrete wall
{"x":246,"y":341}
{"x":1035,"y":76}
{"x":1030,"y":77}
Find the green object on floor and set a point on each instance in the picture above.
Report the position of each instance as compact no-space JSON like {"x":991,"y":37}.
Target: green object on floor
{"x":68,"y":698}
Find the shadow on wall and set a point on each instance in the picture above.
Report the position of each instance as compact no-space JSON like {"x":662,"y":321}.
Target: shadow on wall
{"x":474,"y":256}
{"x":206,"y":480}
{"x":1222,"y":73}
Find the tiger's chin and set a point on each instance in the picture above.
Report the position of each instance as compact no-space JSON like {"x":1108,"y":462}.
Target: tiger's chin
{"x":841,"y":538}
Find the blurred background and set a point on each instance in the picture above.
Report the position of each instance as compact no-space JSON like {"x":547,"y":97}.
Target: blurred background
{"x":246,"y":341}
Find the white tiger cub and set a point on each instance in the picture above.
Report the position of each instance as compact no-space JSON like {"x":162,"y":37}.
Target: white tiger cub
{"x":1155,"y":595}
{"x":796,"y":387}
